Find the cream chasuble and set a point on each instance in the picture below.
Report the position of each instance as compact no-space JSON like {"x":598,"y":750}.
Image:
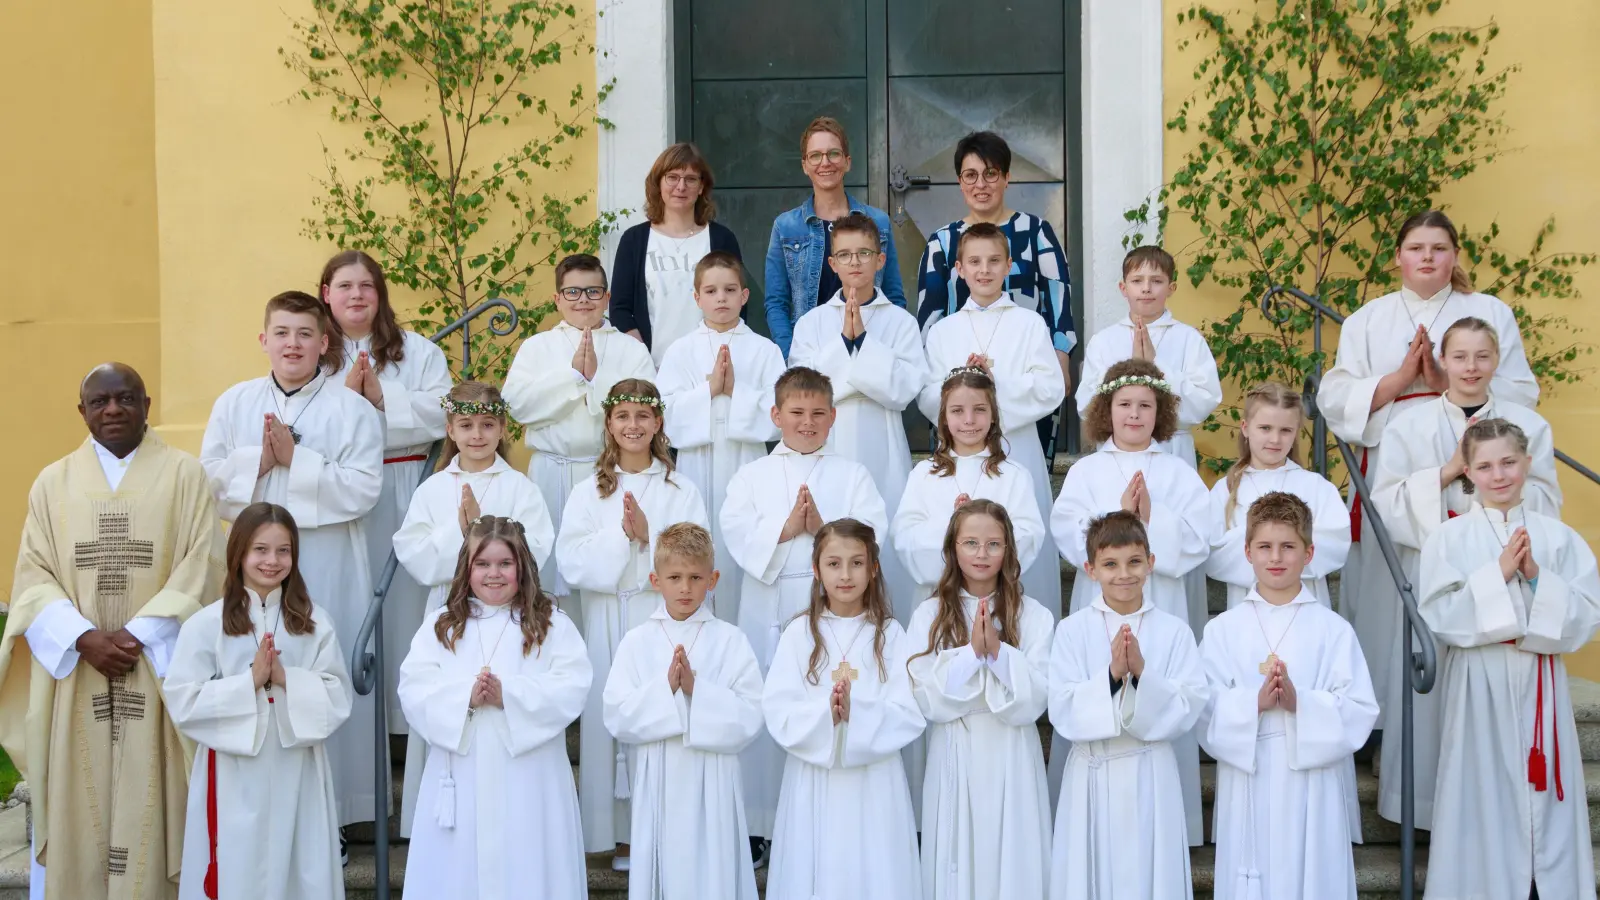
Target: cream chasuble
{"x":108,"y":771}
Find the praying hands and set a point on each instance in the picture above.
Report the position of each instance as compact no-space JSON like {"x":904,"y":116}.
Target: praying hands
{"x":364,"y":381}
{"x":1126,"y":658}
{"x":277,"y":445}
{"x":1277,"y":692}
{"x":839,"y":701}
{"x":722,"y":373}
{"x":634,"y":522}
{"x":486,"y":691}
{"x":680,"y":676}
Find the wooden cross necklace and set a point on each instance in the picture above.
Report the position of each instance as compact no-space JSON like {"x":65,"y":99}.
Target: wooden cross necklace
{"x":489,"y":657}
{"x":1271,"y":662}
{"x":844,"y":671}
{"x":687,"y":650}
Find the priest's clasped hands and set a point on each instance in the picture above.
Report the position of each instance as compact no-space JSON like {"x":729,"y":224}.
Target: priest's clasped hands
{"x":277,"y":445}
{"x":267,"y":667}
{"x":680,"y":677}
{"x":111,"y":653}
{"x":1277,"y":691}
{"x":1517,"y":557}
{"x":1126,"y":658}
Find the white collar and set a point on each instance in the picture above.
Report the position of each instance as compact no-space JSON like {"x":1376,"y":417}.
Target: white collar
{"x":785,"y":450}
{"x":495,"y":468}
{"x":655,"y":468}
{"x":1412,"y":298}
{"x":1453,"y":410}
{"x":273,"y":598}
{"x":1003,"y":302}
{"x":481,"y":610}
{"x":983,"y":453}
{"x":309,"y":389}
{"x":1304,"y":596}
{"x":356,"y":345}
{"x":702,"y":614}
{"x":1502,"y":519}
{"x":1110,"y":446}
{"x":1099,"y":602}
{"x":739,"y":328}
{"x":879,"y":298}
{"x":109,"y":459}
{"x":829,"y":614}
{"x":1161,"y":321}
{"x":604,"y":326}
{"x":1289,"y":465}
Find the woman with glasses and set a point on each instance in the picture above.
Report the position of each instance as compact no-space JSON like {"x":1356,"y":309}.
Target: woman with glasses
{"x":652,"y":294}
{"x":797,"y":279}
{"x":1039,"y":278}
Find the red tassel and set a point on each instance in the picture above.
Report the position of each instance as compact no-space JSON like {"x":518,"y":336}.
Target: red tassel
{"x":1536,"y":771}
{"x":211,"y":822}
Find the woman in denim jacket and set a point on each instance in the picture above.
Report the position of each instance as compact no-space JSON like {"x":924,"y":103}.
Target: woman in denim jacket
{"x":801,"y":238}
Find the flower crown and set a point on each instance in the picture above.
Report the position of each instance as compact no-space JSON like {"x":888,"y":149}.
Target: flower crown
{"x":473,"y":408}
{"x":1159,"y":384}
{"x":652,"y":402}
{"x":968,"y":370}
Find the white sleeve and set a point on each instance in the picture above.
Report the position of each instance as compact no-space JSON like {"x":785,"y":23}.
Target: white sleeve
{"x":53,"y":637}
{"x":541,"y":386}
{"x":232,"y":466}
{"x":412,"y":415}
{"x":316,"y":697}
{"x":227,"y":713}
{"x":750,"y":407}
{"x":890,"y":368}
{"x":1513,"y":378}
{"x":751,"y":530}
{"x":1227,"y":562}
{"x":687,"y":397}
{"x":1097,"y":357}
{"x":1198,"y":387}
{"x":1345,"y":396}
{"x":158,"y":634}
{"x":428,"y":549}
{"x":1335,"y":713}
{"x":1039,"y":390}
{"x":327,"y":491}
{"x":918,"y":530}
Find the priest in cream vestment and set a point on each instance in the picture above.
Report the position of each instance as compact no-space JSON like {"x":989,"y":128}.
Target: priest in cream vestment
{"x":121,"y":544}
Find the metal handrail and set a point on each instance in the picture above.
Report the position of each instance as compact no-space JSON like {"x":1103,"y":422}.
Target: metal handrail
{"x":366,"y":665}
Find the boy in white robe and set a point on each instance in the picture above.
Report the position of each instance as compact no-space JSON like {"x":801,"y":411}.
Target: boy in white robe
{"x":717,"y":382}
{"x":872,"y":352}
{"x":474,"y":481}
{"x":685,"y":692}
{"x":606,"y":546}
{"x":309,"y":444}
{"x":559,"y":403}
{"x":260,"y":702}
{"x":838,"y":700}
{"x":1125,"y":682}
{"x":1386,"y":362}
{"x":979,"y":666}
{"x":1282,"y":829}
{"x":1014,"y":348}
{"x":1509,"y":590}
{"x":491,"y":682}
{"x":403,"y":375}
{"x":774,"y":509}
{"x":1420,"y":484}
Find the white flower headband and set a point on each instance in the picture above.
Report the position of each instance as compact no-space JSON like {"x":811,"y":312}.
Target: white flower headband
{"x":967,"y":370}
{"x":1148,"y":381}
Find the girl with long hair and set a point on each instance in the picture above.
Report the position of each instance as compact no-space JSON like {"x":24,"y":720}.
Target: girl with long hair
{"x":258,"y":681}
{"x":608,"y":533}
{"x":492,"y":680}
{"x":838,"y":700}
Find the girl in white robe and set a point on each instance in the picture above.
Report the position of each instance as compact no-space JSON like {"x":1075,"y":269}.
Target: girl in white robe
{"x":762,"y":499}
{"x":556,"y":387}
{"x":403,"y":375}
{"x":1125,"y":682}
{"x":872,"y":386}
{"x":969,"y":462}
{"x":606,"y":548}
{"x":1385,"y":364}
{"x":1418,"y":486}
{"x":492,"y":681}
{"x":1273,"y":416}
{"x":1509,"y":590}
{"x":685,"y":693}
{"x":473,"y":480}
{"x":333,"y":442}
{"x":839,"y":701}
{"x":1016,"y":349}
{"x":258,"y":681}
{"x":717,"y":381}
{"x":1290,"y":704}
{"x":979,"y":670}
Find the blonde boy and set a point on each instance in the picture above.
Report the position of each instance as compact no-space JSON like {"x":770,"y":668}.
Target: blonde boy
{"x":557,"y":382}
{"x":718,"y":382}
{"x":1151,"y":333}
{"x":685,"y":692}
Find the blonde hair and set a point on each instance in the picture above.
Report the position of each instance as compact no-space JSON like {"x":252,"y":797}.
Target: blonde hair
{"x":1277,"y":396}
{"x":605,"y":466}
{"x":472,"y":392}
{"x":686,"y":541}
{"x":1486,"y":430}
{"x":1472,"y":324}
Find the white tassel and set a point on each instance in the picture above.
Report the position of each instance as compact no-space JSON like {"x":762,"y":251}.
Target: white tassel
{"x":445,"y":810}
{"x":1248,"y":886}
{"x":621,"y":792}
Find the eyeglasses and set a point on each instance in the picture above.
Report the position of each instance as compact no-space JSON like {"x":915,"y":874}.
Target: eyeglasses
{"x":971,"y":547}
{"x":815,"y":157}
{"x":989,"y":175}
{"x":848,"y":257}
{"x":688,"y":181}
{"x":578,"y":293}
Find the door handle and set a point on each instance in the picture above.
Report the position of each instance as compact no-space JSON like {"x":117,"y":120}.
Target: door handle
{"x":901,"y":181}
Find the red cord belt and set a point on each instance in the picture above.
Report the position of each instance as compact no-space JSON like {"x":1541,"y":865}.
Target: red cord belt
{"x":1538,"y":775}
{"x":419,"y":457}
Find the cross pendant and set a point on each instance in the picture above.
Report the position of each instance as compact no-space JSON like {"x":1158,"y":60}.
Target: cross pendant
{"x":845,"y":672}
{"x":1271,"y":664}
{"x":485,"y":671}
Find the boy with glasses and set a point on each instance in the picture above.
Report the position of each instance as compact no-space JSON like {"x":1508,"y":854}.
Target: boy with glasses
{"x":1039,"y":279}
{"x":797,"y":275}
{"x":557,"y":382}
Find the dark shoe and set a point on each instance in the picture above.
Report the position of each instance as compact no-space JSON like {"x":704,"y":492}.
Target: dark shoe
{"x":344,"y":849}
{"x":760,"y":852}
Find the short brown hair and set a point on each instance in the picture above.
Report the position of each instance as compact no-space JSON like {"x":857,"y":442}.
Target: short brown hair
{"x":829,"y":125}
{"x":1116,"y":529}
{"x":983,"y":231}
{"x":580,"y":262}
{"x":858,"y":223}
{"x":679,"y":156}
{"x":302,"y":303}
{"x":718,"y":259}
{"x":801,"y":380}
{"x":686,"y":541}
{"x":1097,"y":417}
{"x":1150,"y":257}
{"x":1279,"y":507}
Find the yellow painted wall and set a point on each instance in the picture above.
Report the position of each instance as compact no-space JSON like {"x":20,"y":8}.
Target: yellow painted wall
{"x":1553,"y":110}
{"x":77,"y":224}
{"x":154,"y":200}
